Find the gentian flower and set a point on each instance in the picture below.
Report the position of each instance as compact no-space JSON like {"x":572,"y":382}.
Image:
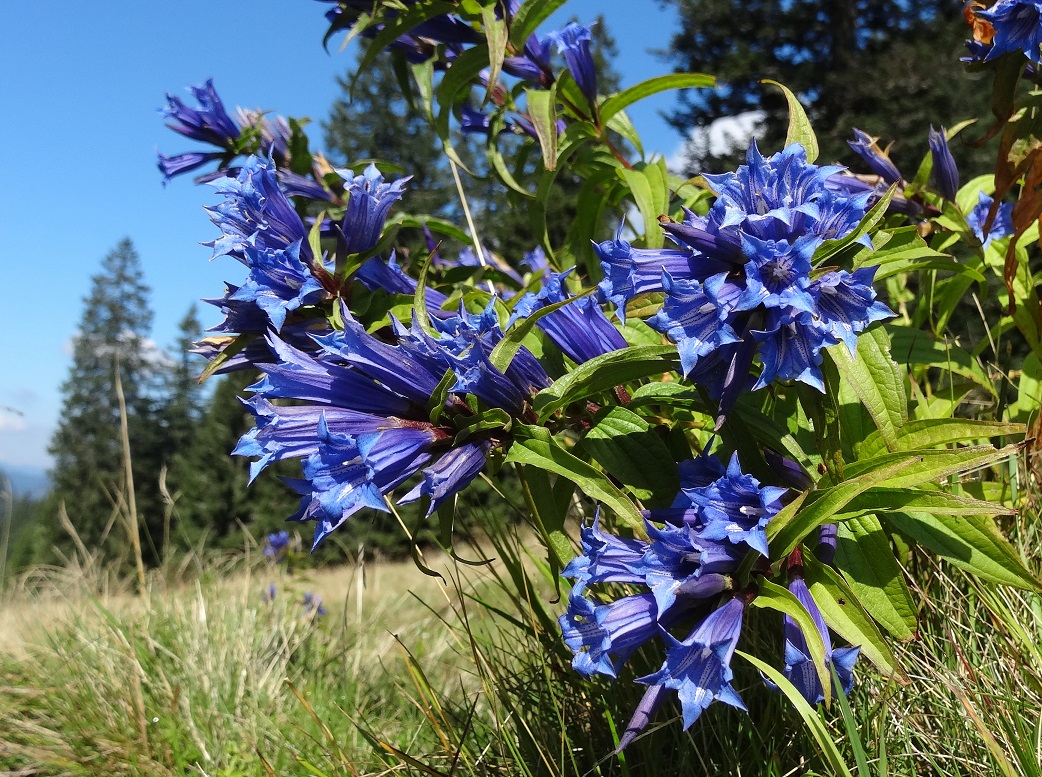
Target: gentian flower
{"x":944,"y":170}
{"x":1001,"y":227}
{"x":799,"y":667}
{"x":580,"y":329}
{"x":275,"y":545}
{"x":693,"y":549}
{"x":369,"y":200}
{"x":209,"y":123}
{"x":1005,"y":26}
{"x":312,"y":604}
{"x":740,"y":281}
{"x":865,"y":147}
{"x":573,"y":41}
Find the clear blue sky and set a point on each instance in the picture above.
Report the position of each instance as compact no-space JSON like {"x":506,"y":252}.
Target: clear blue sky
{"x":80,"y":132}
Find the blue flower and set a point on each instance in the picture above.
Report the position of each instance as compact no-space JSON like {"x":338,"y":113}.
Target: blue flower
{"x":170,"y":166}
{"x":275,"y":545}
{"x":698,"y":668}
{"x":865,"y":147}
{"x":580,"y":329}
{"x":312,"y":605}
{"x":278,"y":283}
{"x":1013,"y":25}
{"x":369,"y":200}
{"x":799,"y":667}
{"x":1001,"y":227}
{"x":741,"y":280}
{"x":945,"y":173}
{"x":361,"y":422}
{"x":573,"y":41}
{"x":693,"y":549}
{"x":209,"y":123}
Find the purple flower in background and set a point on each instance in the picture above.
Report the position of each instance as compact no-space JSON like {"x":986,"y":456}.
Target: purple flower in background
{"x":268,"y":595}
{"x":740,"y":281}
{"x":276,"y":545}
{"x":1001,"y":227}
{"x":945,"y":173}
{"x":312,"y":604}
{"x":573,"y":41}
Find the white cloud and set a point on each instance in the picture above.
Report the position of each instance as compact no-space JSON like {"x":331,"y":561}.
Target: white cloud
{"x":719,"y":138}
{"x":12,"y":421}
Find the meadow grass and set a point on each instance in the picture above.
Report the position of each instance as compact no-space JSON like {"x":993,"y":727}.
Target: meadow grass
{"x":409,"y":674}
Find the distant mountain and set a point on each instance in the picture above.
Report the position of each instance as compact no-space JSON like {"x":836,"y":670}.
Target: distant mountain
{"x":27,"y":481}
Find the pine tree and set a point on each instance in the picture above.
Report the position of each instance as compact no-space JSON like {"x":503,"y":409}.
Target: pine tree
{"x":888,"y":67}
{"x":88,"y":474}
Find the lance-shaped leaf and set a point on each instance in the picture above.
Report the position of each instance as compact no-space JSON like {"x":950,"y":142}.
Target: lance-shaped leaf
{"x":863,"y":554}
{"x":650,"y":189}
{"x":534,"y":446}
{"x":831,"y":248}
{"x":529,"y":16}
{"x":971,"y":542}
{"x":629,"y":450}
{"x":933,"y":465}
{"x":846,"y":616}
{"x":503,"y":354}
{"x":548,"y":503}
{"x":897,"y":500}
{"x":800,"y":130}
{"x":784,"y":601}
{"x":496,"y":35}
{"x":877,"y":381}
{"x":606,"y":372}
{"x":785,"y":532}
{"x":542,"y":109}
{"x":630,"y":95}
{"x":934,"y":432}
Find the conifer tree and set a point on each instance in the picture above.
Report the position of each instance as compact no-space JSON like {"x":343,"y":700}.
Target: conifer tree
{"x":888,"y":67}
{"x":88,"y":473}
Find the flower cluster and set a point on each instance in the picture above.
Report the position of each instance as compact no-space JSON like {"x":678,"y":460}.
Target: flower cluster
{"x":686,"y":572}
{"x":741,"y":281}
{"x":276,"y":546}
{"x":210,"y":123}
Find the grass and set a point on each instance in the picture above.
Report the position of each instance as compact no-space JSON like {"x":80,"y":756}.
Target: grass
{"x":467,"y":678}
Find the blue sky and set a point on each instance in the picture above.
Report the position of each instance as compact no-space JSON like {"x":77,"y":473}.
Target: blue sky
{"x":81,"y":91}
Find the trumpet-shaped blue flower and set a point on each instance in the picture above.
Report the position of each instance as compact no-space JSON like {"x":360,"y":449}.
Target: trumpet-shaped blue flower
{"x":369,"y":200}
{"x":278,"y":282}
{"x":799,"y":667}
{"x":699,"y":668}
{"x":865,"y":146}
{"x":573,"y":41}
{"x":209,"y":123}
{"x":580,"y":329}
{"x":945,"y":173}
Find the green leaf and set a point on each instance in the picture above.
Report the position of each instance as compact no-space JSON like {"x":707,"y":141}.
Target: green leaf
{"x":531,"y":14}
{"x":650,"y":189}
{"x":863,"y":554}
{"x":896,"y":245}
{"x":1029,"y":390}
{"x":625,"y":98}
{"x":465,"y":69}
{"x":784,"y":601}
{"x":542,"y":108}
{"x":845,"y":615}
{"x":496,"y":35}
{"x":549,"y":503}
{"x":971,"y":542}
{"x":534,"y":446}
{"x":629,"y":450}
{"x":934,"y":432}
{"x":822,"y":736}
{"x":800,"y":130}
{"x":605,"y":372}
{"x":785,"y":532}
{"x":927,"y":466}
{"x":620,"y":123}
{"x":877,"y":381}
{"x":888,"y":500}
